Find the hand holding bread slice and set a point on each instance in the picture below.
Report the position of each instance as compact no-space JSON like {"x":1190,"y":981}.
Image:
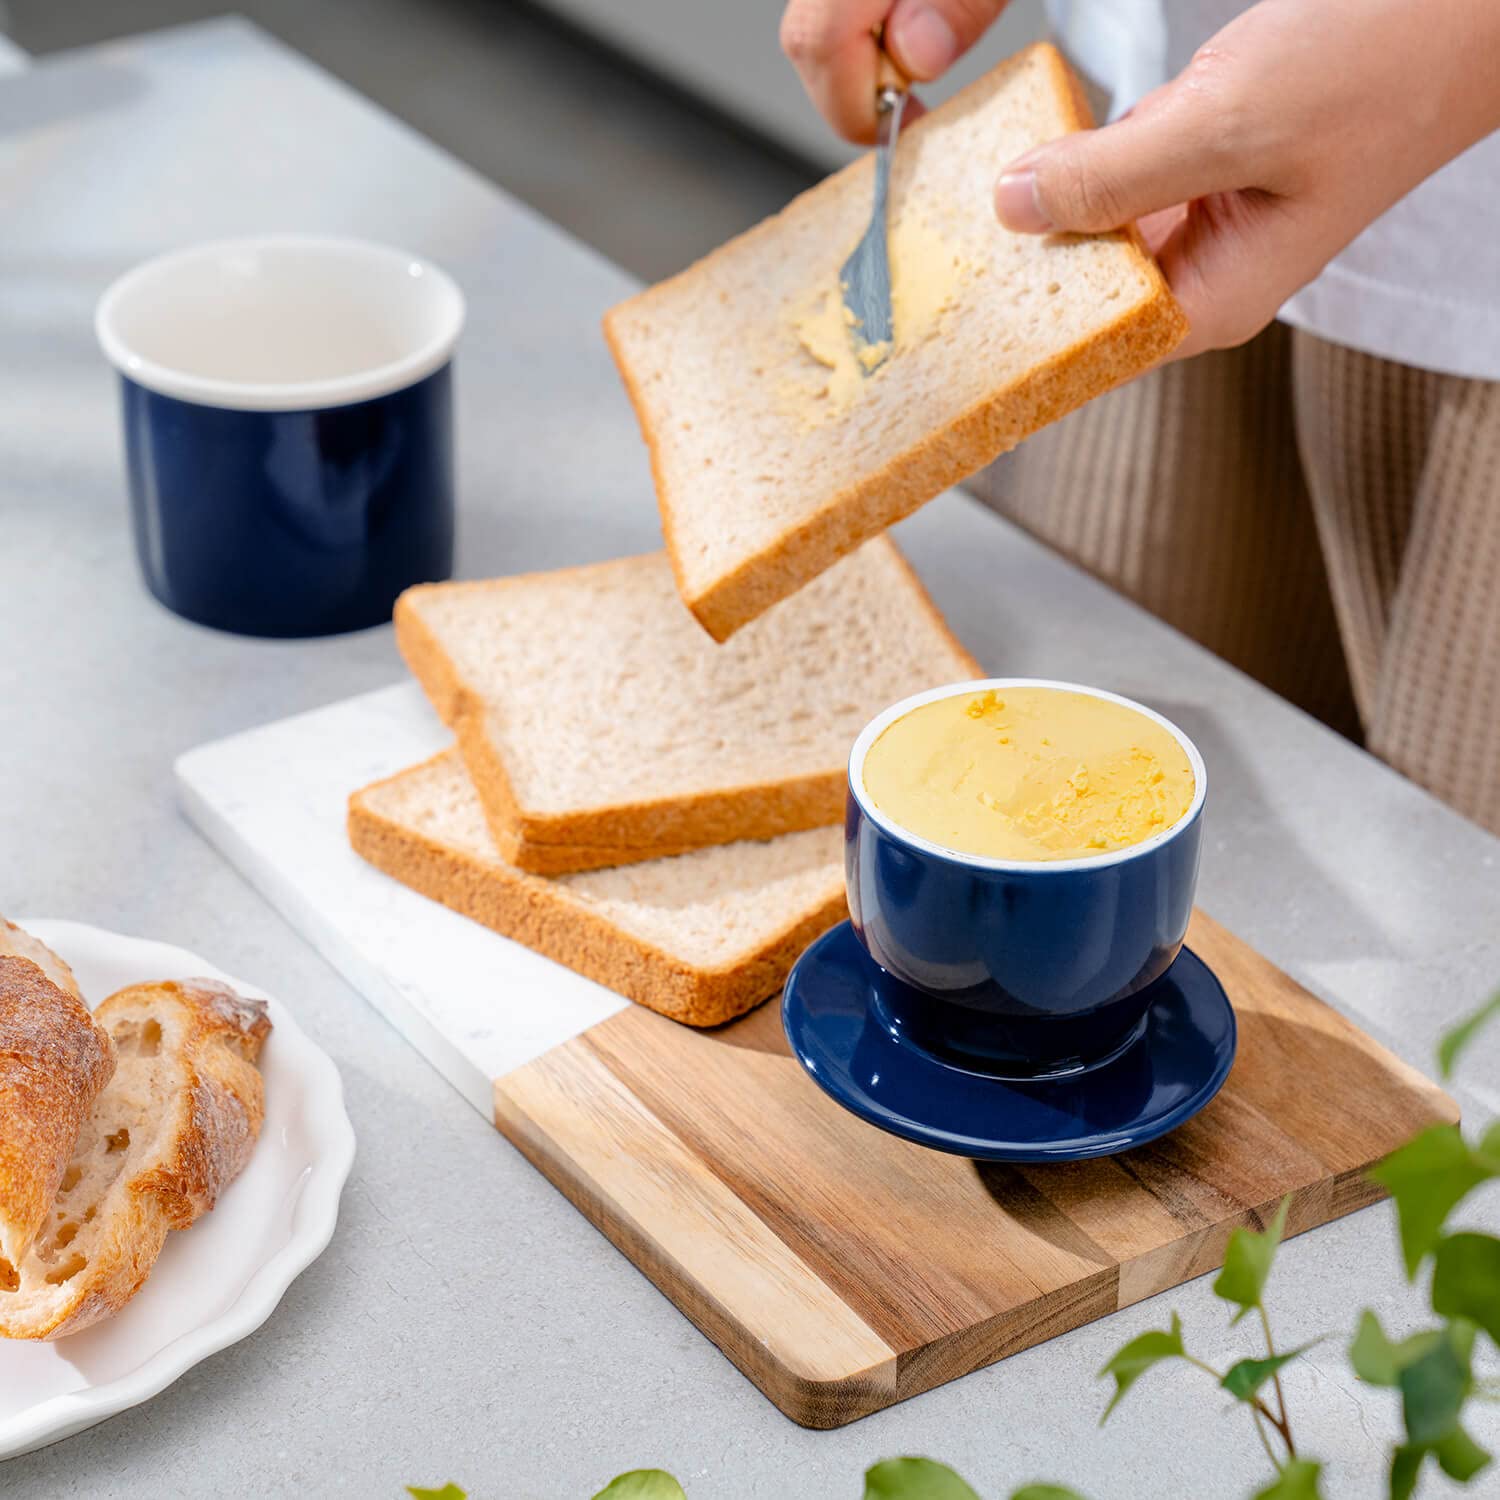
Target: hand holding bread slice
{"x":772,"y":457}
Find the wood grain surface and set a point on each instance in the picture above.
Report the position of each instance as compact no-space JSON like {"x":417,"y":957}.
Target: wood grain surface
{"x":843,"y":1269}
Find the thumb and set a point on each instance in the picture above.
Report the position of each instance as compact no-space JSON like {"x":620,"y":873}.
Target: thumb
{"x":1170,"y":149}
{"x":926,"y":37}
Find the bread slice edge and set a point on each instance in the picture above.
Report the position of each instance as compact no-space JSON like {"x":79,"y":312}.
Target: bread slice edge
{"x":647,"y":828}
{"x":542,"y":916}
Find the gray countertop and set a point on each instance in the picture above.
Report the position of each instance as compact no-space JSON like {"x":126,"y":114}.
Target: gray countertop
{"x":466,"y":1323}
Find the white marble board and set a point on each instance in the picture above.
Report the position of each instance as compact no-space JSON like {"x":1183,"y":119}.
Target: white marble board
{"x":273,"y":801}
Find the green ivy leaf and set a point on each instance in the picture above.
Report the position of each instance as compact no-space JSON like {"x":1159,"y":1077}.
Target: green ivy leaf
{"x":1406,"y":1466}
{"x":1380,"y":1362}
{"x":642,"y":1484}
{"x":914,"y":1479}
{"x":1045,"y":1492}
{"x":1427,"y":1177}
{"x":1298,"y":1480}
{"x":1247,"y":1263}
{"x":1138,"y":1356}
{"x":1455,"y":1040}
{"x":1244,"y":1379}
{"x":1433,"y":1385}
{"x":1466,"y":1280}
{"x":1459,"y":1456}
{"x":448,"y":1492}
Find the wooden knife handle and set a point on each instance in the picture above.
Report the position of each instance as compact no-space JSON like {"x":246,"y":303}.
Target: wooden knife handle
{"x":887,"y":74}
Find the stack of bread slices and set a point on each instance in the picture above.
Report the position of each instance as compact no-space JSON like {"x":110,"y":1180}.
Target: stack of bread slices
{"x":657,"y":812}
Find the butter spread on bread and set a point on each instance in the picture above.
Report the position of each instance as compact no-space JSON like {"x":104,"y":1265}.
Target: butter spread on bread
{"x":927,"y":272}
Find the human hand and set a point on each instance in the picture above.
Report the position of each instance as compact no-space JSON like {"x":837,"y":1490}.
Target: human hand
{"x":832,"y":45}
{"x":1287,"y":134}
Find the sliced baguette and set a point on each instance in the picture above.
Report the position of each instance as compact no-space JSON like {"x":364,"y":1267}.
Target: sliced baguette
{"x":16,"y":942}
{"x":54,"y":1060}
{"x":761,"y":483}
{"x":602,"y":727}
{"x":171,"y":1129}
{"x":701,"y":937}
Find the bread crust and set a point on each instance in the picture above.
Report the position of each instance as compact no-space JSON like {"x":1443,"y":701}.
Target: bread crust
{"x":1125,"y":347}
{"x":628,"y":832}
{"x":16,"y":942}
{"x":214,"y":1119}
{"x":548,"y":919}
{"x":54,"y":1060}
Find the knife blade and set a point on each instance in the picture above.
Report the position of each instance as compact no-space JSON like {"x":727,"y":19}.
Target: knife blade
{"x":865,"y":278}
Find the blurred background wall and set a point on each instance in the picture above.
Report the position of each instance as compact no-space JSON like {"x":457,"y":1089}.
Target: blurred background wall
{"x":651,"y":129}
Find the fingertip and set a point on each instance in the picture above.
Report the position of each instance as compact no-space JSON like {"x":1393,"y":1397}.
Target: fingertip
{"x":1016,"y":203}
{"x":921,"y":40}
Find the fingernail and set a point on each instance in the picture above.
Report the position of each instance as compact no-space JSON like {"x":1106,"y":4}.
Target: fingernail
{"x":926,"y":43}
{"x":1016,"y":204}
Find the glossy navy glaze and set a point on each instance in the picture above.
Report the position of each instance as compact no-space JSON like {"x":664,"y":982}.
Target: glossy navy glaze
{"x":1028,"y":970}
{"x":837,"y":1008}
{"x":291,"y":523}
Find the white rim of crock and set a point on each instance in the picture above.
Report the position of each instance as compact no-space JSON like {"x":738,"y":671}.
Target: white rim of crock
{"x":878,"y":725}
{"x":306,"y":395}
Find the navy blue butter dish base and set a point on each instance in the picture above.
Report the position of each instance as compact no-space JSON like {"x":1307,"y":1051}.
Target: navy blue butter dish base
{"x":833,"y":1013}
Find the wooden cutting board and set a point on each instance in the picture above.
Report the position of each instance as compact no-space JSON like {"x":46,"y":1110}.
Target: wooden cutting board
{"x":840,"y":1268}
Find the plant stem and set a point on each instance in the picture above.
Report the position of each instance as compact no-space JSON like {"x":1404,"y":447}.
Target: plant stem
{"x":1286,"y":1426}
{"x":1256,"y":1405}
{"x":1265,"y":1441}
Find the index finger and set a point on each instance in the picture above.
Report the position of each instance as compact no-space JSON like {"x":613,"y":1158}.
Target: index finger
{"x":832,"y":45}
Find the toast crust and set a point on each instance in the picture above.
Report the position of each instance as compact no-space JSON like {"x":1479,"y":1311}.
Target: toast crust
{"x":628,"y":832}
{"x":545,"y":917}
{"x":1125,"y":347}
{"x":54,"y":1060}
{"x":215,"y":1119}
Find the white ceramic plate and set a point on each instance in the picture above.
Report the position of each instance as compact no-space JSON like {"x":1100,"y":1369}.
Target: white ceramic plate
{"x":219,"y":1280}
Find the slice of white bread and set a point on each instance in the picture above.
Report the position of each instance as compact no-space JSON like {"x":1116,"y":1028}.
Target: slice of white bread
{"x":763,"y":477}
{"x":171,"y":1129}
{"x":601,"y":726}
{"x":701,"y":937}
{"x":54,"y":1060}
{"x":16,"y":942}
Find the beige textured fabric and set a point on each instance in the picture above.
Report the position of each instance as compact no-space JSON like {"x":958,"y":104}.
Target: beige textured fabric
{"x":1183,"y":489}
{"x":1404,"y":470}
{"x":1327,"y":521}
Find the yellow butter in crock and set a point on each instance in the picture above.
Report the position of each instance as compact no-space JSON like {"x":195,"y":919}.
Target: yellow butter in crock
{"x":1029,"y":773}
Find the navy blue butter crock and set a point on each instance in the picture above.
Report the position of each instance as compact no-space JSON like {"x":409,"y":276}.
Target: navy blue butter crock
{"x":1024,"y":969}
{"x":288,"y":424}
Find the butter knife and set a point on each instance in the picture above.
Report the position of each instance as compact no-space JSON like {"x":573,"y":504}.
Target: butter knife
{"x":865,"y":279}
